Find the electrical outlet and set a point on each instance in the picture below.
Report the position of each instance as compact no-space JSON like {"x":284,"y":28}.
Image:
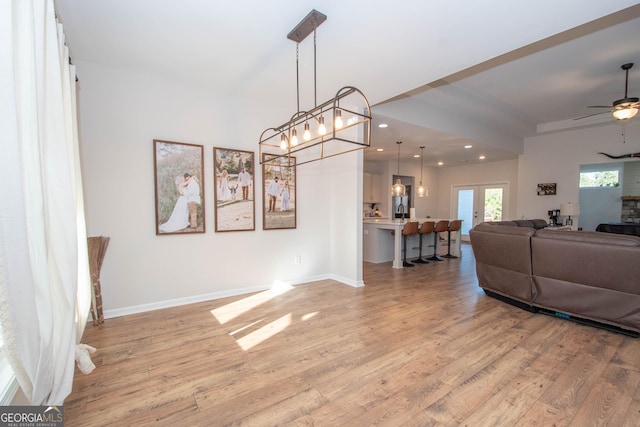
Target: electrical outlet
{"x":297,"y":259}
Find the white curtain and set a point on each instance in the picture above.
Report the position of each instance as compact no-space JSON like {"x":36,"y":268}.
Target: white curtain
{"x":44,"y":273}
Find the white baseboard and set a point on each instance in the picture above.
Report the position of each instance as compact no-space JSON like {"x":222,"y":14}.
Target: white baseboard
{"x":135,"y":309}
{"x":346,"y":281}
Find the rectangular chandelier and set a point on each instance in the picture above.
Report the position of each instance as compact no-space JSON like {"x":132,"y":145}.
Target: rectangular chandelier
{"x":337,"y":126}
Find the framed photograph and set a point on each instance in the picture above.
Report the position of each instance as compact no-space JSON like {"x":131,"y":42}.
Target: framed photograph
{"x":179,"y":187}
{"x":547,"y":189}
{"x":279,"y":192}
{"x":234,"y":192}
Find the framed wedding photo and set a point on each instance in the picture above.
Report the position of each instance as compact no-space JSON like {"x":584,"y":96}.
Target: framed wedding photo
{"x":179,"y":187}
{"x":234,"y":192}
{"x":279,"y":192}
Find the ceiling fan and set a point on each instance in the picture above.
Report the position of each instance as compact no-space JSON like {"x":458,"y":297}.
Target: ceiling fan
{"x":622,"y":109}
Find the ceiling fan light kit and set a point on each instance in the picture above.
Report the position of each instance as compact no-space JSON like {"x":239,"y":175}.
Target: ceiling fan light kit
{"x":347,"y":129}
{"x":627,"y":107}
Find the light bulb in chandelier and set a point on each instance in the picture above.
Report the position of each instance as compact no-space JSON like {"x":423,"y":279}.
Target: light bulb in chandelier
{"x":294,"y":138}
{"x":283,"y":142}
{"x":338,"y":120}
{"x":322,"y":130}
{"x":306,"y":135}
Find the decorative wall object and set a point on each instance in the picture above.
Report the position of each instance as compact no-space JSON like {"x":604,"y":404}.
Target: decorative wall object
{"x":179,"y":187}
{"x":548,"y":189}
{"x":234,"y":192}
{"x":97,"y":246}
{"x":624,"y":156}
{"x":279,"y":192}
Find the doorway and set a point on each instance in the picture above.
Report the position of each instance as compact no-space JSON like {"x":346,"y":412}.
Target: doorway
{"x":478,"y":203}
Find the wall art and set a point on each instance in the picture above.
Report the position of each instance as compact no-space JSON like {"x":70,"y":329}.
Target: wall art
{"x":179,"y":187}
{"x":547,"y":189}
{"x":234,"y":192}
{"x":279,"y":192}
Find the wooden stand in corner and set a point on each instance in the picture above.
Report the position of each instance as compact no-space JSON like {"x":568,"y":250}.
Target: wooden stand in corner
{"x":97,"y":250}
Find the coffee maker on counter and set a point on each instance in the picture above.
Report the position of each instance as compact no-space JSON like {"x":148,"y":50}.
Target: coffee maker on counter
{"x":554,"y":217}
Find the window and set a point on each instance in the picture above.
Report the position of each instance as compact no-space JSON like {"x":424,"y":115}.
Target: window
{"x":8,"y":383}
{"x":600,"y":178}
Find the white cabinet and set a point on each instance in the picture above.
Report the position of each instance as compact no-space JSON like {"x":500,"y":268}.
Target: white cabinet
{"x":372,"y":188}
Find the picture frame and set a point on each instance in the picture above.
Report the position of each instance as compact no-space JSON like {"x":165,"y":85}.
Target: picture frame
{"x":178,"y":170}
{"x":279,"y":196}
{"x":547,"y":189}
{"x":234,"y":189}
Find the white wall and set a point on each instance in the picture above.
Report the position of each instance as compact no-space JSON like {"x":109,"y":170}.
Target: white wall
{"x":631,"y":179}
{"x":343,"y":180}
{"x":557,"y":157}
{"x":121,"y":112}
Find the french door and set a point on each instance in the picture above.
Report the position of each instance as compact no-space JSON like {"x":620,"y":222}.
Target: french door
{"x":474,"y":204}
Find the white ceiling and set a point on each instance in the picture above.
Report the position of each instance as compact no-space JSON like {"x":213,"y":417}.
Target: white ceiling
{"x":443,"y":74}
{"x":542,"y":88}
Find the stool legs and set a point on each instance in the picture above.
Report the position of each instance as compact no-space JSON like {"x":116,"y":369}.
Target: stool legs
{"x":435,"y":256}
{"x":420,"y":260}
{"x":406,"y":263}
{"x":448,"y":255}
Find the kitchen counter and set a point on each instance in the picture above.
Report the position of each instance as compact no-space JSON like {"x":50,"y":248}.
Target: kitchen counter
{"x":380,"y":246}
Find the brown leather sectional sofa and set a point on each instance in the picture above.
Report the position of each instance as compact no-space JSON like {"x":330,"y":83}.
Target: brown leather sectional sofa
{"x":585,"y":276}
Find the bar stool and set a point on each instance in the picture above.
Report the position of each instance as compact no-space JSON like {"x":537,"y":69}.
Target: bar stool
{"x":441,"y":226}
{"x":426,"y":228}
{"x":409,"y":229}
{"x":454,"y":225}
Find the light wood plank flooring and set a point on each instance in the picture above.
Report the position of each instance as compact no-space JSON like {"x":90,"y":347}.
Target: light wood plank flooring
{"x":414,"y":347}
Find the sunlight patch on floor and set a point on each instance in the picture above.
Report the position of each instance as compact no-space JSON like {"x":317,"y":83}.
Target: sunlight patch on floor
{"x":244,"y":328}
{"x":267,"y":331}
{"x":308,"y":316}
{"x":230,"y":311}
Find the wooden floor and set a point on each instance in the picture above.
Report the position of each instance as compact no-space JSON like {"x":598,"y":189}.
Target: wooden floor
{"x":414,"y":347}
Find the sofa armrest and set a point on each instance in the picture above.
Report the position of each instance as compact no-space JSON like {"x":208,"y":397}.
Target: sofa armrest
{"x":503,"y":259}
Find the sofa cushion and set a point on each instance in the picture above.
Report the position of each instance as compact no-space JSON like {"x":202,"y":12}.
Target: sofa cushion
{"x":591,"y":237}
{"x":524,"y":223}
{"x":511,"y":223}
{"x":588,"y":257}
{"x":539,"y":223}
{"x":588,"y":274}
{"x":531,"y":223}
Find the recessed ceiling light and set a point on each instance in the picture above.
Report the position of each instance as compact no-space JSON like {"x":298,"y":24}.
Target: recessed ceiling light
{"x":468,"y":146}
{"x":379,"y":149}
{"x":416,"y":155}
{"x":482,"y":157}
{"x":440,"y":163}
{"x":383,"y":125}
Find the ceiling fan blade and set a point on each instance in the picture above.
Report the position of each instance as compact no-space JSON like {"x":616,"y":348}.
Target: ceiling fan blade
{"x":599,"y":106}
{"x":591,"y":115}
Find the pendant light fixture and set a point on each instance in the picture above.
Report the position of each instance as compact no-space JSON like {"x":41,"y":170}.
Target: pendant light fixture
{"x":422,"y":189}
{"x":398,"y":189}
{"x":348,"y":124}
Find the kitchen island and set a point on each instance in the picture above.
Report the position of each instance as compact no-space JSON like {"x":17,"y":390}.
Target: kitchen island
{"x":379,"y":245}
